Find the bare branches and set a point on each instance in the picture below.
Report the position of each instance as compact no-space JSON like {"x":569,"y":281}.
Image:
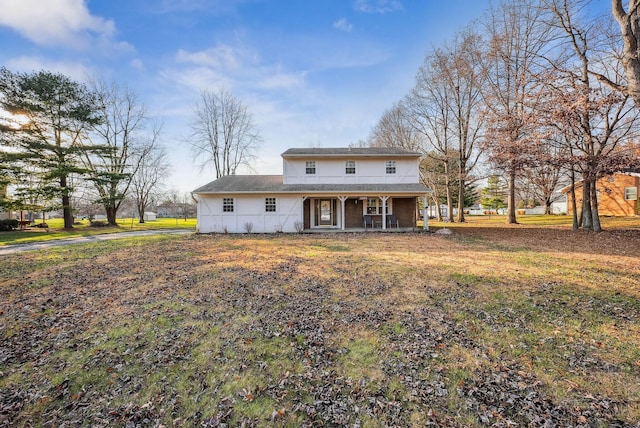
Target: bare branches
{"x":223,"y":134}
{"x":152,"y":167}
{"x":120,"y":134}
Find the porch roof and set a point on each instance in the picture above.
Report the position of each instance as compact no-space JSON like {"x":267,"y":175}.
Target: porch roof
{"x":270,"y":184}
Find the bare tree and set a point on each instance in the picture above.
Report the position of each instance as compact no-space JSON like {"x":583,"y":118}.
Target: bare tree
{"x":461,"y":72}
{"x":517,"y":39}
{"x":545,"y":175}
{"x":596,"y":118}
{"x":223,"y":134}
{"x":428,"y":106}
{"x":120,"y":132}
{"x":395,"y":130}
{"x":147,"y":180}
{"x":445,"y":105}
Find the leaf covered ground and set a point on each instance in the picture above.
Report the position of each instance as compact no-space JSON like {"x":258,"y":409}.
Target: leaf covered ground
{"x":500,"y":327}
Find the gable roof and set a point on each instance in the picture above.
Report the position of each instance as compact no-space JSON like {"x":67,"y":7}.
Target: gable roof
{"x":350,"y":152}
{"x":259,"y":184}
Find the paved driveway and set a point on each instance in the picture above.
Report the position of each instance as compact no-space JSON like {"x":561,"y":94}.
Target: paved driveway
{"x":18,"y":248}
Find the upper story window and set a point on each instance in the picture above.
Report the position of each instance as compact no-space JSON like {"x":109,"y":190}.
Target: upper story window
{"x":227,"y":205}
{"x":630,"y":193}
{"x":350,"y":167}
{"x":270,"y":205}
{"x":310,"y":167}
{"x":391,"y":167}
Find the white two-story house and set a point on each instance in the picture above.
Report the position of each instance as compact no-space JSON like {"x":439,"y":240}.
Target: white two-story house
{"x":374,"y":188}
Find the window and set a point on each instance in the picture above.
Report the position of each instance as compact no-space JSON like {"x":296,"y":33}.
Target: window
{"x":311,"y":167}
{"x":270,"y":205}
{"x":227,"y":205}
{"x":374,"y":206}
{"x":630,"y":193}
{"x":391,"y":167}
{"x":350,"y":167}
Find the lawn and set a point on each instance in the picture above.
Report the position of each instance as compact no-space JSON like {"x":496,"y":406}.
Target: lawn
{"x":562,"y":221}
{"x":486,"y":327}
{"x":84,"y":228}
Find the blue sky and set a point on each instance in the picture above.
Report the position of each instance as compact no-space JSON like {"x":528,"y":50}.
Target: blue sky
{"x":312,"y":72}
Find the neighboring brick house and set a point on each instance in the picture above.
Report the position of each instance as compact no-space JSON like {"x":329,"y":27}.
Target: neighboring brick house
{"x":321,"y":189}
{"x":617,"y":194}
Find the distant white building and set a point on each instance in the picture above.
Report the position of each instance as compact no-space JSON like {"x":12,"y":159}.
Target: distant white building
{"x":321,"y":189}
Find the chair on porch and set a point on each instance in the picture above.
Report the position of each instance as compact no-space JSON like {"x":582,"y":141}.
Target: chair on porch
{"x":368,"y":221}
{"x":392,"y":221}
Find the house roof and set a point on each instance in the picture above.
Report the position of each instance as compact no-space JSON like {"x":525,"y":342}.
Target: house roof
{"x":350,"y":152}
{"x":256,"y":184}
{"x":634,"y":172}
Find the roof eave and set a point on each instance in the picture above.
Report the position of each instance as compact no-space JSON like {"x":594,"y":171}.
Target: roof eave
{"x":351,"y":155}
{"x":317,"y":192}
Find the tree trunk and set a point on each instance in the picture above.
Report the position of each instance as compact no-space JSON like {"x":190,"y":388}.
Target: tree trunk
{"x":595,"y":216}
{"x":461,"y":185}
{"x":587,"y":218}
{"x":447,"y":183}
{"x":111,"y":216}
{"x":574,"y":204}
{"x":436,"y":203}
{"x":511,"y":203}
{"x":66,"y":204}
{"x":629,"y":29}
{"x":141,"y":209}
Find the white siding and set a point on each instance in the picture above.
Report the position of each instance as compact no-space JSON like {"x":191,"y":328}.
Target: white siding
{"x":248,"y":209}
{"x":368,"y":171}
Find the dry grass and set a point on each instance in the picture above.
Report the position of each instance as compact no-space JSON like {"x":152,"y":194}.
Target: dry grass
{"x":486,"y":326}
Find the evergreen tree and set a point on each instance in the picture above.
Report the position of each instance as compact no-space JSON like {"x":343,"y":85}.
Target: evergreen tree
{"x":494,"y":194}
{"x":44,"y":147}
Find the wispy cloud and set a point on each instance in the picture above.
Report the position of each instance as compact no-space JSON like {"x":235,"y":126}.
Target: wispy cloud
{"x":377,"y":6}
{"x":343,"y":25}
{"x":215,"y":7}
{"x":28,"y":64}
{"x":57,"y":23}
{"x":220,"y":56}
{"x":234,"y":67}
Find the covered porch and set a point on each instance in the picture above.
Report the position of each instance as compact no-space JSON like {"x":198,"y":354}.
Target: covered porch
{"x":362,"y":213}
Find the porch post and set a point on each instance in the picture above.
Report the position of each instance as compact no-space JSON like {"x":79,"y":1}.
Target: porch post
{"x":304,"y":198}
{"x":425,"y":213}
{"x":342,"y":201}
{"x":384,"y":211}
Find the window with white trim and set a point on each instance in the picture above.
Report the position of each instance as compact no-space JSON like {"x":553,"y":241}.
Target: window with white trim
{"x":374,"y":206}
{"x":310,"y":167}
{"x":227,"y":205}
{"x":630,"y":193}
{"x":350,"y":167}
{"x":270,"y":205}
{"x":391,"y":167}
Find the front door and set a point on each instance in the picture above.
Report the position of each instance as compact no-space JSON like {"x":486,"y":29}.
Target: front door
{"x":326,"y":212}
